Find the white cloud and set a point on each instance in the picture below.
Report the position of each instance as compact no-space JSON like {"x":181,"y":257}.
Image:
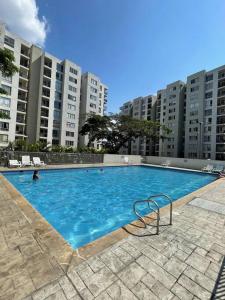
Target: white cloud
{"x":21,"y":17}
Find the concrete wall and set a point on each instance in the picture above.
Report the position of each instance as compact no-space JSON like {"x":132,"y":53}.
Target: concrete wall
{"x":196,"y":164}
{"x":117,"y":158}
{"x":53,"y":157}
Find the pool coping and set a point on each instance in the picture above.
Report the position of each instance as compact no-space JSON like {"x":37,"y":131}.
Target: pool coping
{"x":59,"y":248}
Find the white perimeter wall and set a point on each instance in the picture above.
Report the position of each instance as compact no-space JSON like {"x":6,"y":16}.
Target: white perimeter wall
{"x":195,"y":164}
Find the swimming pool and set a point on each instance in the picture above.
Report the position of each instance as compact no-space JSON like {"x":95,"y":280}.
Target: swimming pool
{"x":87,"y":203}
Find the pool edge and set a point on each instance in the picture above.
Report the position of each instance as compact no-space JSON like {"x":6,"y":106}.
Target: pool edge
{"x":59,"y":248}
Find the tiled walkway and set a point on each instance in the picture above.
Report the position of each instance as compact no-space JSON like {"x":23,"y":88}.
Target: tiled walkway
{"x":183,"y":262}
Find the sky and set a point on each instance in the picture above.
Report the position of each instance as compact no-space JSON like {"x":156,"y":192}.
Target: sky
{"x":134,"y":46}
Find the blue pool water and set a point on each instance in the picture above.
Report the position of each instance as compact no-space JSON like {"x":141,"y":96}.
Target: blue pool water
{"x":85,"y":204}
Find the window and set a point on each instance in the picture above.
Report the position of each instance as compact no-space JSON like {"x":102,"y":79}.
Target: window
{"x":92,"y":97}
{"x":94,"y":90}
{"x":195,"y":88}
{"x":221,"y":74}
{"x":9,"y":41}
{"x":57,"y":115}
{"x":194,"y":80}
{"x":58,"y":96}
{"x":92,"y":105}
{"x":70,"y":125}
{"x":209,"y":77}
{"x":58,"y":85}
{"x":74,"y":71}
{"x":72,"y":79}
{"x":72,"y":89}
{"x":70,"y":116}
{"x":3,"y":138}
{"x":69,"y":133}
{"x":7,"y":89}
{"x":208,"y":95}
{"x":5,"y":102}
{"x":71,"y":106}
{"x":57,"y":105}
{"x":71,"y":97}
{"x":5,"y":112}
{"x":59,"y":76}
{"x":93,"y":81}
{"x":209,"y":86}
{"x":69,"y":143}
{"x":4,"y":126}
{"x":7,"y":78}
{"x":59,"y":67}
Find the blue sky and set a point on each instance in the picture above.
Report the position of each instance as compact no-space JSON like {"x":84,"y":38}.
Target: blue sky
{"x":136,"y":46}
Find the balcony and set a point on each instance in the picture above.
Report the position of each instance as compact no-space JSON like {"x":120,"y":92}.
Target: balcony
{"x":21,"y":107}
{"x":24,"y":62}
{"x":47,"y":82}
{"x":25,"y":50}
{"x":22,"y":95}
{"x":23,"y":74}
{"x":20,"y":130}
{"x":221,"y":92}
{"x":45,"y":92}
{"x":23,"y":84}
{"x":44,"y":102}
{"x":44,"y":123}
{"x":221,"y":83}
{"x":20,"y":119}
{"x":221,"y":120}
{"x":221,"y":111}
{"x":220,"y":138}
{"x":48,"y":62}
{"x":47,"y":72}
{"x":43,"y":133}
{"x":44,"y":112}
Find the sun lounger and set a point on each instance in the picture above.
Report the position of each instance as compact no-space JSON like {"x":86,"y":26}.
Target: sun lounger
{"x":37,"y":162}
{"x":208,"y":168}
{"x":26,"y":162}
{"x":14,"y":163}
{"x":218,"y":169}
{"x":166,"y":163}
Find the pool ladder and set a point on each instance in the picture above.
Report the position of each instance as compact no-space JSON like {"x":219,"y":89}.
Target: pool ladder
{"x":156,"y":210}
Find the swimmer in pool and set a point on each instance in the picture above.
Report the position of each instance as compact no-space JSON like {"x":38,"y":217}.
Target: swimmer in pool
{"x":35,"y":175}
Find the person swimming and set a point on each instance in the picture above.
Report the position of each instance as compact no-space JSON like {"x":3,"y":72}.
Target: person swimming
{"x":35,"y":175}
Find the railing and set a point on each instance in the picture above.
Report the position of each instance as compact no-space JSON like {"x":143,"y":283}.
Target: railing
{"x":157,"y":211}
{"x":170,"y":201}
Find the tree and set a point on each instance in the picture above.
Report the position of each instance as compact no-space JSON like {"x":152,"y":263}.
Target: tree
{"x":7,"y":66}
{"x":114,"y":132}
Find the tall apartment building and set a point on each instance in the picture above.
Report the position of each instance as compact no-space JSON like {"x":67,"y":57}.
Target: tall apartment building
{"x":195,"y":113}
{"x":142,"y":108}
{"x":93,"y":101}
{"x":205,"y":115}
{"x":43,"y":98}
{"x":172,"y":116}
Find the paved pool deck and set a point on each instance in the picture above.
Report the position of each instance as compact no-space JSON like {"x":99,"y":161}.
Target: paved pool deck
{"x":183,"y":262}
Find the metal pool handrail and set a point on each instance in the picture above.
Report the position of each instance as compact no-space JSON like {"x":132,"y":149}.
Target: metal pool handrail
{"x":170,"y":201}
{"x":157,"y":211}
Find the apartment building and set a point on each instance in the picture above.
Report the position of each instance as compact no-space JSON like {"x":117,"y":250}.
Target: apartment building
{"x":43,"y":98}
{"x":93,"y":100}
{"x":205,"y":115}
{"x":172,"y":116}
{"x":195,"y":113}
{"x":141,"y":108}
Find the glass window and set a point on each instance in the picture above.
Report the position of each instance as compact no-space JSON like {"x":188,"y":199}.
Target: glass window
{"x":72,"y":88}
{"x":72,"y":79}
{"x":74,"y":71}
{"x":69,"y":143}
{"x":3,"y":138}
{"x":70,"y":116}
{"x":9,"y":41}
{"x":70,"y":133}
{"x":70,"y":125}
{"x":71,"y":97}
{"x":5,"y":102}
{"x":7,"y":89}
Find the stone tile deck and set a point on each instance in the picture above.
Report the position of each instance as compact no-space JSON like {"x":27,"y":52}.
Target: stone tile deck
{"x":183,"y":262}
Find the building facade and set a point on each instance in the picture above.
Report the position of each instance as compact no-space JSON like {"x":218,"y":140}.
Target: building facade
{"x":194,"y":111}
{"x":93,"y":100}
{"x":43,"y":99}
{"x":141,"y":108}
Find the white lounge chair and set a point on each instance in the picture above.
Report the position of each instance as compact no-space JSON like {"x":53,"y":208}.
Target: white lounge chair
{"x":166,"y":163}
{"x":14,"y":163}
{"x":37,"y":162}
{"x":126,"y":160}
{"x":26,"y":162}
{"x":218,"y":169}
{"x":208,"y":168}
